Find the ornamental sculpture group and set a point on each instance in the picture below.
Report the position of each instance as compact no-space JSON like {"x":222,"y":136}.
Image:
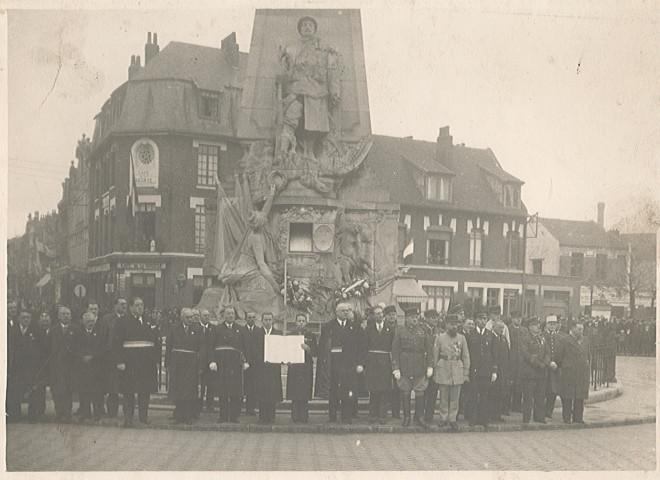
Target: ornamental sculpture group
{"x":307,"y":148}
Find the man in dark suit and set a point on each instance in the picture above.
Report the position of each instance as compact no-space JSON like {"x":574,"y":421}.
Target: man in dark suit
{"x":108,"y":321}
{"x":90,"y":350}
{"x":573,"y":359}
{"x":225,"y":357}
{"x":395,"y":393}
{"x":516,"y":333}
{"x":62,"y":337}
{"x":269,"y":376}
{"x":376,"y":356}
{"x":300,"y":375}
{"x":499,"y":389}
{"x":483,"y":370}
{"x":340,"y":339}
{"x":206,"y":396}
{"x":182,"y":359}
{"x":42,"y":329}
{"x":534,"y":362}
{"x":254,"y":340}
{"x":137,"y":352}
{"x":552,"y":338}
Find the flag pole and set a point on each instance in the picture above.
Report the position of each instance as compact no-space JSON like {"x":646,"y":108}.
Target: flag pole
{"x":285,"y":295}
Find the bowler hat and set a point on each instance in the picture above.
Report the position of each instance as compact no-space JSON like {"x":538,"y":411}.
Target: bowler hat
{"x":389,"y":309}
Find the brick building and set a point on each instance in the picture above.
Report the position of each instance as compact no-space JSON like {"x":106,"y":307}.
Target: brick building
{"x":159,"y":140}
{"x":462,"y":224}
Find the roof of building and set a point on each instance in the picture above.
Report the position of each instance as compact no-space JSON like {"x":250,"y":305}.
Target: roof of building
{"x":390,"y":157}
{"x":581,"y":233}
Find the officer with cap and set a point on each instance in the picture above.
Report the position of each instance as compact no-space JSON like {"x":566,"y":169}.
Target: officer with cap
{"x":552,"y":337}
{"x":412,"y":364}
{"x":432,"y":328}
{"x":494,"y":314}
{"x":516,"y":333}
{"x":395,"y":394}
{"x":535,"y":359}
{"x":483,"y":370}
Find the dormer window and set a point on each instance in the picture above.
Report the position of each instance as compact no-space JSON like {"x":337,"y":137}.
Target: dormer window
{"x":511,"y":195}
{"x":437,"y":187}
{"x":209,"y":104}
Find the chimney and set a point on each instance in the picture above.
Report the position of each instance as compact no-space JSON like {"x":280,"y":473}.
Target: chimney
{"x":151,"y":49}
{"x":444,"y":145}
{"x":135,"y":66}
{"x":229,"y":46}
{"x":601,"y":214}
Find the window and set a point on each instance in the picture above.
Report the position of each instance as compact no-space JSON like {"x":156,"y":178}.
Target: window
{"x":476,"y":237}
{"x":209,"y":105}
{"x":437,"y":188}
{"x":474,"y":300}
{"x":512,"y":249}
{"x":438,"y":297}
{"x":601,"y":266}
{"x":557,"y":295}
{"x":200,"y":229}
{"x":200,"y":283}
{"x":146,"y":227}
{"x":300,"y":237}
{"x":438,"y":252}
{"x":537,"y":267}
{"x":207,"y":164}
{"x":577,"y":261}
{"x":510,"y":300}
{"x":419,"y":180}
{"x":493,"y":297}
{"x":143,"y":279}
{"x":516,"y":196}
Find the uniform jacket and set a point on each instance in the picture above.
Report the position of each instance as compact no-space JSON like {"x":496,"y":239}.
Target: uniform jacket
{"x":138,"y":347}
{"x":182,"y":358}
{"x":482,"y":360}
{"x":226,"y":347}
{"x":535,"y":357}
{"x":376,"y":357}
{"x":451,"y":359}
{"x":553,"y":343}
{"x":573,"y":360}
{"x":300,"y":375}
{"x":62,"y":347}
{"x":90,"y":375}
{"x":502,"y":358}
{"x":412,"y":351}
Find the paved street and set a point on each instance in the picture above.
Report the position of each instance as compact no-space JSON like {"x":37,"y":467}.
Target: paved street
{"x":74,"y":447}
{"x":47,"y":447}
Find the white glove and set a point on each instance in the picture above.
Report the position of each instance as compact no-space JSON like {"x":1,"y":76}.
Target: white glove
{"x":429,"y":371}
{"x":553,"y":365}
{"x":493,"y":377}
{"x":397,"y":374}
{"x":246,"y":366}
{"x":305,"y":347}
{"x":359,"y":369}
{"x":213,"y":367}
{"x":121,"y":367}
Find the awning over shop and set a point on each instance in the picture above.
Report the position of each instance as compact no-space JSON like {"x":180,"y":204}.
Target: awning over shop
{"x":44,"y":280}
{"x":408,"y":290}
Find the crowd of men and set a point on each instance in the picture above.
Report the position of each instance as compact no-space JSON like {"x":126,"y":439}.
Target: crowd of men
{"x":481,"y":368}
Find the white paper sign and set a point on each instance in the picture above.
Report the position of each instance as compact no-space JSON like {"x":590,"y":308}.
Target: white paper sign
{"x":281,"y":349}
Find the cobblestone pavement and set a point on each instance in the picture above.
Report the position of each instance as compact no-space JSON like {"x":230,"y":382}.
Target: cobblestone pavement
{"x":49,"y":446}
{"x":72,"y":447}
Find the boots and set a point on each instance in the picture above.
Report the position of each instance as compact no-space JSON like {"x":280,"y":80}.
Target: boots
{"x":419,"y":410}
{"x":405,"y":400}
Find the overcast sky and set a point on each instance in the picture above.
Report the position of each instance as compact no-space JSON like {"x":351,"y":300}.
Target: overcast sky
{"x":566,"y":96}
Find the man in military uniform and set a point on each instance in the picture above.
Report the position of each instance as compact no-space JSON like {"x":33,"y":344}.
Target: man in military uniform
{"x":91,"y":351}
{"x":137,"y":351}
{"x":225,"y":357}
{"x":182,"y":359}
{"x":412,"y":364}
{"x":378,"y":365}
{"x":269,"y":375}
{"x":552,"y":337}
{"x":341,"y":337}
{"x":535,"y":359}
{"x":108,"y":321}
{"x":395,"y":393}
{"x":516,"y":333}
{"x":483,"y":370}
{"x":432,"y":328}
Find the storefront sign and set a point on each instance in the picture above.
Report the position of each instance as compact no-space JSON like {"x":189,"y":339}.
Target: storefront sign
{"x":104,"y":267}
{"x":140,"y":266}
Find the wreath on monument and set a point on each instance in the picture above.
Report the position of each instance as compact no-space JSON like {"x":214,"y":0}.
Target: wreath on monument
{"x":297,"y":295}
{"x":360,"y":288}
